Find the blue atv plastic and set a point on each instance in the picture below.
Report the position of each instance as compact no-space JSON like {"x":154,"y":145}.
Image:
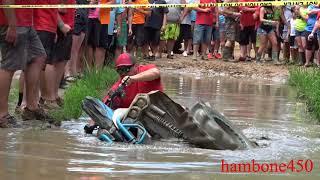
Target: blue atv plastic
{"x":102,"y":115}
{"x":124,"y":128}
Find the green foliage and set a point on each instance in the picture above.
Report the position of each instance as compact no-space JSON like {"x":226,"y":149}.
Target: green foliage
{"x":307,"y":82}
{"x":14,"y":95}
{"x":94,"y":83}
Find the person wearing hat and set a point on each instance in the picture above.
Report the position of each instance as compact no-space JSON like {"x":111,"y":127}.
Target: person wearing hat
{"x":139,"y":79}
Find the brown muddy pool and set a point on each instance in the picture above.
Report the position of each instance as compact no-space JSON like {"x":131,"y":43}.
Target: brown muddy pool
{"x":267,"y":112}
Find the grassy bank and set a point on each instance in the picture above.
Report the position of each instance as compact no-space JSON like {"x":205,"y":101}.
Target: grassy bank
{"x":307,"y":82}
{"x":13,"y":96}
{"x":94,"y":83}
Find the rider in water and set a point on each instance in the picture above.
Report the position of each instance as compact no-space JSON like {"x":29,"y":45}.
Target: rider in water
{"x":138,"y":79}
{"x":162,"y":117}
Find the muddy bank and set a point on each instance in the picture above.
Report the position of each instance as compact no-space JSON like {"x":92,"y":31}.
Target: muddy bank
{"x":186,"y":65}
{"x":181,"y":64}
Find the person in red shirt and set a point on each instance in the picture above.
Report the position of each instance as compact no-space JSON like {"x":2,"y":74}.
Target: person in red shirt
{"x":61,"y":53}
{"x":46,"y":22}
{"x":247,"y":30}
{"x":206,"y":16}
{"x":140,"y":79}
{"x":21,"y":49}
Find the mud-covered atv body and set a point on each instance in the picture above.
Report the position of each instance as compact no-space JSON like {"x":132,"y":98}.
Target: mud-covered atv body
{"x":161,"y":117}
{"x":202,"y":125}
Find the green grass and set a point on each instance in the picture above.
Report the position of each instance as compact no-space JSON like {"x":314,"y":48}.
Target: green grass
{"x":94,"y":83}
{"x":307,"y":82}
{"x":13,"y":96}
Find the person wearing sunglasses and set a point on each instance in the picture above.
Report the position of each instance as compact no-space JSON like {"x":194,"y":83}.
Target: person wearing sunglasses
{"x":138,"y":78}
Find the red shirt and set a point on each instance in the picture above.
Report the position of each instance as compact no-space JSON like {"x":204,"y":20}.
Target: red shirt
{"x":208,"y":18}
{"x":46,"y":19}
{"x":68,"y":17}
{"x":135,"y":88}
{"x":23,"y":16}
{"x":246,"y":18}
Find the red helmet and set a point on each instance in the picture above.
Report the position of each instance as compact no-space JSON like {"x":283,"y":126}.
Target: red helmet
{"x":125,"y":59}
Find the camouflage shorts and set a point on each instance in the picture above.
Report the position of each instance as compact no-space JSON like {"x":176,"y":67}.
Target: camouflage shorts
{"x":230,"y":29}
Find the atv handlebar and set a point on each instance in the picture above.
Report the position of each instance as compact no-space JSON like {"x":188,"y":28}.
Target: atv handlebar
{"x":119,"y":92}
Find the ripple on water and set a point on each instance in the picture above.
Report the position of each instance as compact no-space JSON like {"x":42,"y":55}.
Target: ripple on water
{"x":268,"y":113}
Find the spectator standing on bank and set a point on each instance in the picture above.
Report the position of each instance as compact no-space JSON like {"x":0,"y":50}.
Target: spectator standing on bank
{"x":203,"y":28}
{"x":155,"y":23}
{"x":21,"y":49}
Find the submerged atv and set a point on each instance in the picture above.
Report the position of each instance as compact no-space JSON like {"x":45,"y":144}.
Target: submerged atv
{"x":154,"y":116}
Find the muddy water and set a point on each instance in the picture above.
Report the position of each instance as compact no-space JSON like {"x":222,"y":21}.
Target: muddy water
{"x":266,"y":112}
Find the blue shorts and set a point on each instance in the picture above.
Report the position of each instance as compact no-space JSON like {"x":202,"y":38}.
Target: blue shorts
{"x":261,"y":31}
{"x":299,"y":33}
{"x":202,"y":34}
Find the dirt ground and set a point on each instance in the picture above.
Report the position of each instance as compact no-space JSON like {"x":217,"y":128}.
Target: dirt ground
{"x":214,"y":67}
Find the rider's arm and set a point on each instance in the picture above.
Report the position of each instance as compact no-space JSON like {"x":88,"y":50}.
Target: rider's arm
{"x":113,"y":88}
{"x":147,"y":75}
